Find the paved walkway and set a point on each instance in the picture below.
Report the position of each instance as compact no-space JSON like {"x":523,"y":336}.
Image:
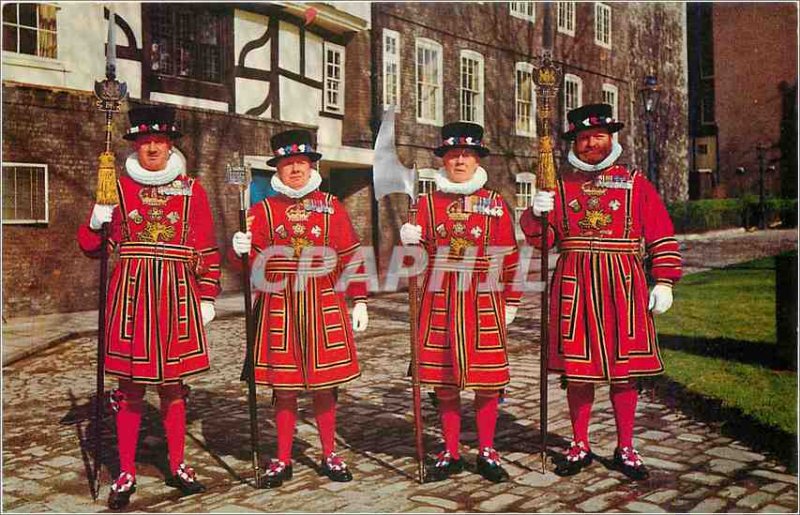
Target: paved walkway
{"x":695,"y":467}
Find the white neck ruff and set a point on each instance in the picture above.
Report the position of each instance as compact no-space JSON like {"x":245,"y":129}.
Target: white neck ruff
{"x":616,"y":151}
{"x":176,"y":166}
{"x":469,"y":187}
{"x":313,"y":183}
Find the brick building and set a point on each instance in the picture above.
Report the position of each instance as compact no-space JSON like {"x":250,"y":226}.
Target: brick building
{"x":743,"y":91}
{"x":237,"y":73}
{"x":440,"y":62}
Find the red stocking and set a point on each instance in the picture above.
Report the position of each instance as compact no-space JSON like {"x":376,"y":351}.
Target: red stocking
{"x":325,"y":413}
{"x":486,"y":416}
{"x":623,"y":398}
{"x":173,"y":414}
{"x":129,"y":419}
{"x":450,"y":413}
{"x":580,"y":397}
{"x":285,"y":419}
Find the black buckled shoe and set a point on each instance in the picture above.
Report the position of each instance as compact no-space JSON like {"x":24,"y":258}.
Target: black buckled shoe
{"x":444,"y":467}
{"x":276,"y":473}
{"x":578,"y":457}
{"x":185,"y":480}
{"x":121,"y":491}
{"x":488,"y":465}
{"x":335,"y":468}
{"x":628,"y":461}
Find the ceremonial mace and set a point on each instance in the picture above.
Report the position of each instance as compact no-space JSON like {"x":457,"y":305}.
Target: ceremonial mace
{"x":110,"y":93}
{"x":546,"y":76}
{"x":390,"y":176}
{"x":238,"y":174}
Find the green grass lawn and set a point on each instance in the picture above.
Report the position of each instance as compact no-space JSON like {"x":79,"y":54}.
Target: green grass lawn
{"x":718,"y":340}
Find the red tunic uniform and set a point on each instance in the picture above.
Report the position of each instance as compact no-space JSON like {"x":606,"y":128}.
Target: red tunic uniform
{"x":605,"y":226}
{"x":304,"y":338}
{"x":462,"y":330}
{"x":168,"y":263}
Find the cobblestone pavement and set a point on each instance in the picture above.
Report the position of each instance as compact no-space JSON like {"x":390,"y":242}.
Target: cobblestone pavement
{"x":694,"y":467}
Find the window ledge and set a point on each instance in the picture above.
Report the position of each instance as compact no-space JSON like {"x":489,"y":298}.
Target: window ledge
{"x":425,"y":121}
{"x":32,"y":61}
{"x":26,"y":222}
{"x":331,"y":114}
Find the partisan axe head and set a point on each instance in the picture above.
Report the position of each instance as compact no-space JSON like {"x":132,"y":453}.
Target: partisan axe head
{"x":388,"y":173}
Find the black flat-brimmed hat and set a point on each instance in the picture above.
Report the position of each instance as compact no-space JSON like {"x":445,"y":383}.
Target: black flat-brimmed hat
{"x":294,"y":142}
{"x":591,"y":116}
{"x":146,"y":120}
{"x":462,"y":135}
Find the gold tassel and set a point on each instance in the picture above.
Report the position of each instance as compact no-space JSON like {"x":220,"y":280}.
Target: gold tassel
{"x":546,"y":169}
{"x":107,"y":181}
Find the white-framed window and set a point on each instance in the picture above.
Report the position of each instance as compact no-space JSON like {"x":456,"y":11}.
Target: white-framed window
{"x":25,"y":193}
{"x":573,"y":94}
{"x":524,"y":100}
{"x":429,"y":81}
{"x":334,"y":78}
{"x":391,"y":69}
{"x":602,"y":24}
{"x":524,"y":10}
{"x":565,"y":16}
{"x":427,"y":183}
{"x":471,"y":87}
{"x":526,"y":188}
{"x":611,"y":97}
{"x":30,"y":28}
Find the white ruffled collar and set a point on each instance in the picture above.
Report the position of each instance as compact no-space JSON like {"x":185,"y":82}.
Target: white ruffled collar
{"x":469,"y":187}
{"x":176,"y":166}
{"x":616,"y":151}
{"x":313,"y":183}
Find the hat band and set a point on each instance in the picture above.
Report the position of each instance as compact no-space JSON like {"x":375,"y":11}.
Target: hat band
{"x":461,"y":140}
{"x":294,"y":148}
{"x":592,"y":121}
{"x":155,"y":127}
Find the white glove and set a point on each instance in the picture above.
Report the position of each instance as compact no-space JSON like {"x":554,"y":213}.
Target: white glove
{"x":360,"y":317}
{"x":207,"y":311}
{"x":100,"y":215}
{"x":511,"y":314}
{"x":543,"y":201}
{"x":660,"y":299}
{"x":242,"y":242}
{"x":410,"y":234}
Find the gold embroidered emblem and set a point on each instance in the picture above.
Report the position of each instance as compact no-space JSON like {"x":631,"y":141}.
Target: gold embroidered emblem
{"x":456,"y":212}
{"x":459,"y":228}
{"x":155,"y":213}
{"x":589,"y":188}
{"x":136,"y":216}
{"x":299,"y":229}
{"x":459,"y":245}
{"x":152,"y":197}
{"x":299,"y":243}
{"x":155,"y":231}
{"x":297,"y":213}
{"x":593,"y":203}
{"x":594,"y":220}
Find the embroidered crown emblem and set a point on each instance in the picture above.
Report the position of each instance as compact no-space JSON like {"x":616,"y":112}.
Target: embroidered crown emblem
{"x":297,"y":213}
